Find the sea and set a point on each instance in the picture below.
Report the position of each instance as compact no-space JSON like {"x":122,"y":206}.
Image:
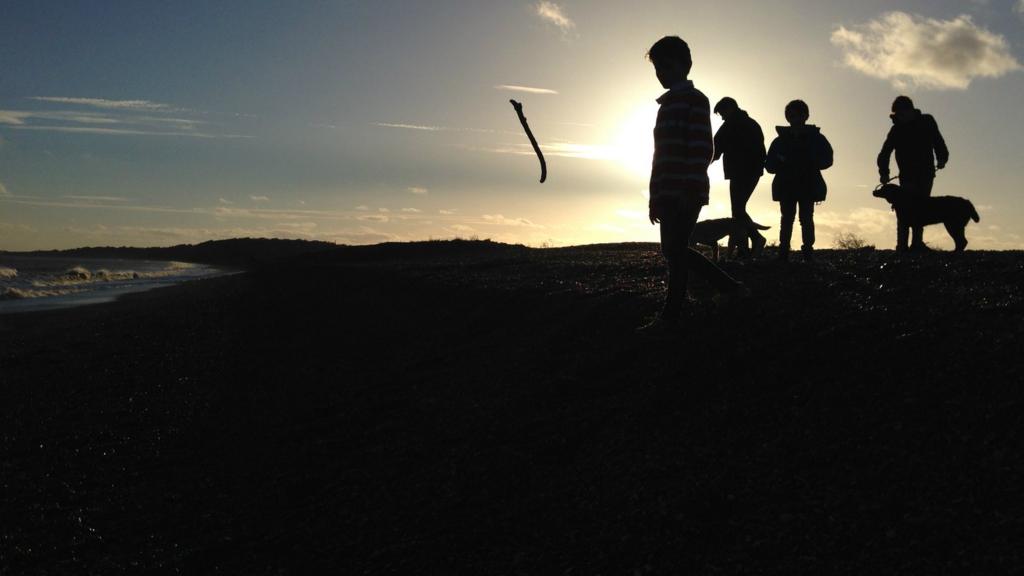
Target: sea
{"x":32,"y":283}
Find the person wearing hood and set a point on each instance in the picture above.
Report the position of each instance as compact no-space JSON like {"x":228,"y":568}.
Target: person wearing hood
{"x":741,"y":142}
{"x":796,"y":157}
{"x":920,"y":149}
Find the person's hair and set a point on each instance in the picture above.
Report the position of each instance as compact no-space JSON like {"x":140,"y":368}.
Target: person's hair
{"x":726,"y":103}
{"x":670,"y":50}
{"x":902,"y":103}
{"x":797,"y":107}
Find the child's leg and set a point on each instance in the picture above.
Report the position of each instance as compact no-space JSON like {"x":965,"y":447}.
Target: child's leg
{"x":788,"y":209}
{"x":807,"y":224}
{"x":902,"y":235}
{"x":674,"y":240}
{"x":740,"y":190}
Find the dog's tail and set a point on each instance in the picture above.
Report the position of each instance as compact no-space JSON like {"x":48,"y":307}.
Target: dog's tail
{"x":974,"y":213}
{"x":759,"y":226}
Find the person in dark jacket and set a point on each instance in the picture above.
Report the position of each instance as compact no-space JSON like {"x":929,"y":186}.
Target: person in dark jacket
{"x":741,"y":142}
{"x":920,"y":149}
{"x":797,"y":157}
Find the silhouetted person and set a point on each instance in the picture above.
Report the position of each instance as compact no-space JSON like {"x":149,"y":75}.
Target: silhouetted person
{"x":741,"y":142}
{"x":679,"y":187}
{"x":797,"y":157}
{"x":919,"y":146}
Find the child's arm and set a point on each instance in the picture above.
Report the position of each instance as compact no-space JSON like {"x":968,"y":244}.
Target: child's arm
{"x":939,"y":143}
{"x":774,"y":160}
{"x":825,"y":154}
{"x":883,"y":156}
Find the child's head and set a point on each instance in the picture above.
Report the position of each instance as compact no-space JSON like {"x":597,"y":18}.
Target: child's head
{"x":671,"y":59}
{"x":725,"y":107}
{"x":797,"y":113}
{"x":902,"y":109}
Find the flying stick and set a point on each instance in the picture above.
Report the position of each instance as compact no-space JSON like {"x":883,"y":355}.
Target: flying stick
{"x":536,"y":148}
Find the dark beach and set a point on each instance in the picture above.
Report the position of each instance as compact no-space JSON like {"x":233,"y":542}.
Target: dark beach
{"x":469,"y":407}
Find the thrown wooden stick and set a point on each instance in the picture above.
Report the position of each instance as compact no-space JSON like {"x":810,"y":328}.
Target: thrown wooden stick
{"x":536,"y":148}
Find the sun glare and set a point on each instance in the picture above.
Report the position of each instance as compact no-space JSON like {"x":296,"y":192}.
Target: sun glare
{"x":633,"y":144}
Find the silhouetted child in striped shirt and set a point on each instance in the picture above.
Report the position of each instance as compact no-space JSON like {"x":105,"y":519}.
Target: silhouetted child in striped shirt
{"x":683,"y":149}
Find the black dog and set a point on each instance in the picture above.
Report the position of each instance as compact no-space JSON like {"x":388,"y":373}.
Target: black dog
{"x":952,"y":211}
{"x":709,"y":232}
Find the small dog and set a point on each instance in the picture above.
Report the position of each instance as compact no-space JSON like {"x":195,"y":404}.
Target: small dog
{"x":709,"y":232}
{"x":954,"y":212}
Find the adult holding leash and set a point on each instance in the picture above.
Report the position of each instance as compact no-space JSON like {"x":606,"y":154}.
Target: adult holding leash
{"x":741,"y":142}
{"x":920,"y":149}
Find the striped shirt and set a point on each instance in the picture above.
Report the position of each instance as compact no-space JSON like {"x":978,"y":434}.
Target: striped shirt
{"x":683,"y":145}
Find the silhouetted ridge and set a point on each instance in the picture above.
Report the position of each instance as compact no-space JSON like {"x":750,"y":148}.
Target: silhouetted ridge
{"x":430,"y":249}
{"x":243,"y":252}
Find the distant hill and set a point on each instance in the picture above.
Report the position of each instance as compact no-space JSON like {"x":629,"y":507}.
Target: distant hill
{"x":243,"y":252}
{"x":427,"y":249}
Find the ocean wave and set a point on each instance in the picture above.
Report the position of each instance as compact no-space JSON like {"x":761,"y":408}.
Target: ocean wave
{"x":25,"y":293}
{"x":8,"y":273}
{"x":78,"y":275}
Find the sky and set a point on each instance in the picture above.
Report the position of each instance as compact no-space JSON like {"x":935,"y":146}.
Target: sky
{"x":141,"y":123}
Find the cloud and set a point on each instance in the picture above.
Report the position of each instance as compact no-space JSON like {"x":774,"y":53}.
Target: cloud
{"x":374,"y":218}
{"x":561,"y":149}
{"x":97,"y":198}
{"x":554,"y":14}
{"x":123,"y":120}
{"x":104,"y":103}
{"x":527,"y":89}
{"x":411,"y":210}
{"x":913,"y":51}
{"x":500,"y":220}
{"x":446,"y":212}
{"x":3,"y":191}
{"x":362,"y":207}
{"x":431,"y":128}
{"x":418,"y":190}
{"x":259,"y":198}
{"x":225,"y":202}
{"x":14,"y":117}
{"x":408,"y":126}
{"x":1019,"y":7}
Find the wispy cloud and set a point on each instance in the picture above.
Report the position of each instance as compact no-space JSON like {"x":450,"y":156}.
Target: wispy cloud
{"x":225,"y":202}
{"x":3,"y":191}
{"x":431,"y":128}
{"x":1019,"y":7}
{"x":501,"y":220}
{"x":14,"y":117}
{"x":446,"y":212}
{"x":117,"y":118}
{"x":412,"y":210}
{"x":408,"y":126}
{"x":554,"y":14}
{"x":127,"y":132}
{"x":914,"y":51}
{"x":104,"y":103}
{"x":527,"y":89}
{"x":562,"y":149}
{"x":97,"y":198}
{"x":259,"y":198}
{"x":418,"y":190}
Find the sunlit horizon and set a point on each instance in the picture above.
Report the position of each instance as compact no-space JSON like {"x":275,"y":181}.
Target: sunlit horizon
{"x":360,"y":124}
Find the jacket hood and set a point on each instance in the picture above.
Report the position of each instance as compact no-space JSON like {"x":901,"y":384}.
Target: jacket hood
{"x":797,"y":130}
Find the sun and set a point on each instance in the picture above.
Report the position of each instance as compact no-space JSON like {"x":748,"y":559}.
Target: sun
{"x":633,"y":143}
